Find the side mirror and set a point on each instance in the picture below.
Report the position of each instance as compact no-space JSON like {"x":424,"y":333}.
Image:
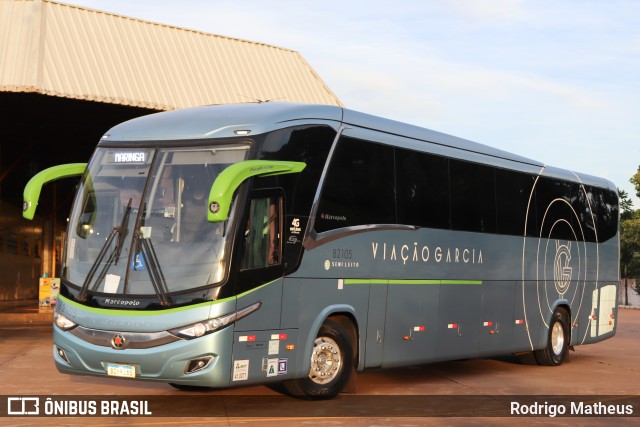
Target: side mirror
{"x":230,"y":179}
{"x":31,"y":193}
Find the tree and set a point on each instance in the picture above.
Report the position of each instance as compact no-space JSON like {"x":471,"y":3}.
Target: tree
{"x":635,"y":180}
{"x":629,"y":238}
{"x":630,"y":250}
{"x":626,"y":204}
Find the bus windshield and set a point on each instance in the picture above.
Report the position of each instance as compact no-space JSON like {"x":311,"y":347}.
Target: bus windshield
{"x":139,"y":222}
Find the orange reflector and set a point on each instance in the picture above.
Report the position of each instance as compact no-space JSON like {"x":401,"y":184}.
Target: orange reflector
{"x":575,"y":325}
{"x":290,"y":347}
{"x":406,"y":337}
{"x":491,"y":331}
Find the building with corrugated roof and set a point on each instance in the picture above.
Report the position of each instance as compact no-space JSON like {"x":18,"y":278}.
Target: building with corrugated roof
{"x":67,"y":74}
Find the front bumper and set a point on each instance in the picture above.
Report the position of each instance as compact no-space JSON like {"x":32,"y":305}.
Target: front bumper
{"x":166,"y":363}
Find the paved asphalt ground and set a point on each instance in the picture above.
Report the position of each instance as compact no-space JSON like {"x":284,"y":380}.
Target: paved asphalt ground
{"x":463,"y":391}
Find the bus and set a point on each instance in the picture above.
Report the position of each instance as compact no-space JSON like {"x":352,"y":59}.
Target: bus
{"x":293,"y":245}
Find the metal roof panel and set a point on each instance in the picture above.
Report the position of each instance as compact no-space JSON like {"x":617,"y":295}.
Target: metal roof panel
{"x":75,"y":52}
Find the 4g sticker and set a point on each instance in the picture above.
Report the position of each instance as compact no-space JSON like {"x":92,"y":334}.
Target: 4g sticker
{"x":295,"y":231}
{"x":295,"y":226}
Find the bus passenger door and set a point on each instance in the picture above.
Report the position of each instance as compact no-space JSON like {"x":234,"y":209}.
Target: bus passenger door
{"x":260,"y":270}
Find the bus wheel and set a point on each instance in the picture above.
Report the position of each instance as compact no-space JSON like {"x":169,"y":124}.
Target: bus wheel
{"x":558,"y":341}
{"x":331,"y":365}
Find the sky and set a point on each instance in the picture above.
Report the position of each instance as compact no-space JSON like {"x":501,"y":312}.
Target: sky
{"x":557,"y":81}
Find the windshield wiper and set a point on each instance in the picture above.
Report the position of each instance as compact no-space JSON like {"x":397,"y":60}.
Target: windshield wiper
{"x":155,"y":271}
{"x":145,"y":247}
{"x":121,"y":230}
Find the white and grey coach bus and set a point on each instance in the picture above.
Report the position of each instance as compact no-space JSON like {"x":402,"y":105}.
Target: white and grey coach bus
{"x":296,"y":244}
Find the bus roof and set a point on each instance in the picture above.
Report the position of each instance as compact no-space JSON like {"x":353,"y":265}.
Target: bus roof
{"x":223,"y":121}
{"x":220,"y":121}
{"x":217,"y":121}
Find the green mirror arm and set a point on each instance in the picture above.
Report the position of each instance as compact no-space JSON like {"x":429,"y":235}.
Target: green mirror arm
{"x":230,"y":179}
{"x":32,"y":190}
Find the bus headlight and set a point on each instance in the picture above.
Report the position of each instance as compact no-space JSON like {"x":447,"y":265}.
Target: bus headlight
{"x":62,"y":322}
{"x":206,"y":327}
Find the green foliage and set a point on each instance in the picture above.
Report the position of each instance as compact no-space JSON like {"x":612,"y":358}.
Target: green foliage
{"x":630,"y":246}
{"x":630,"y":234}
{"x":635,"y":180}
{"x":626,"y":204}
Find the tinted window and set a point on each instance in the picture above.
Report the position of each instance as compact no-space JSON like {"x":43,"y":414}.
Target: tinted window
{"x":605,"y":206}
{"x":423,"y":189}
{"x":262,"y":246}
{"x":473,"y":197}
{"x":363,"y":187}
{"x":359,"y":187}
{"x":513,"y":190}
{"x":310,"y":145}
{"x":554,"y":212}
{"x":585,"y":209}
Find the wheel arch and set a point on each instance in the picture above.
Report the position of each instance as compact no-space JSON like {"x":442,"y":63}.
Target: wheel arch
{"x":544,"y":329}
{"x":344,"y":315}
{"x":556,"y":347}
{"x":564,"y":305}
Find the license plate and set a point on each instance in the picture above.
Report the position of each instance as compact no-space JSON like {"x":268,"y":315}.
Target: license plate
{"x":118,"y":370}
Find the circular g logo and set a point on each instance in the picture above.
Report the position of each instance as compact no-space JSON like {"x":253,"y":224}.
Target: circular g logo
{"x":562,"y":270}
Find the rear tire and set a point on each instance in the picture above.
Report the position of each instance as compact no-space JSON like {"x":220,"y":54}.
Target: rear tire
{"x":557,"y":342}
{"x":331,"y":365}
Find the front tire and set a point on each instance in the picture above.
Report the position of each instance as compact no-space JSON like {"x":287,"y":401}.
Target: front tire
{"x":557,"y":342}
{"x":331,"y":365}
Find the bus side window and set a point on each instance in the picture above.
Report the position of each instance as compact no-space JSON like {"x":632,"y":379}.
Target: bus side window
{"x":262,"y":245}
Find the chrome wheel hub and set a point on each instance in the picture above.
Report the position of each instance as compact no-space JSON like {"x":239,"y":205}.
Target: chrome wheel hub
{"x":325,"y":360}
{"x":557,"y":338}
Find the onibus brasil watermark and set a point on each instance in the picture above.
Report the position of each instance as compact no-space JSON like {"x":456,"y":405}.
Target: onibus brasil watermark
{"x":104,"y":406}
